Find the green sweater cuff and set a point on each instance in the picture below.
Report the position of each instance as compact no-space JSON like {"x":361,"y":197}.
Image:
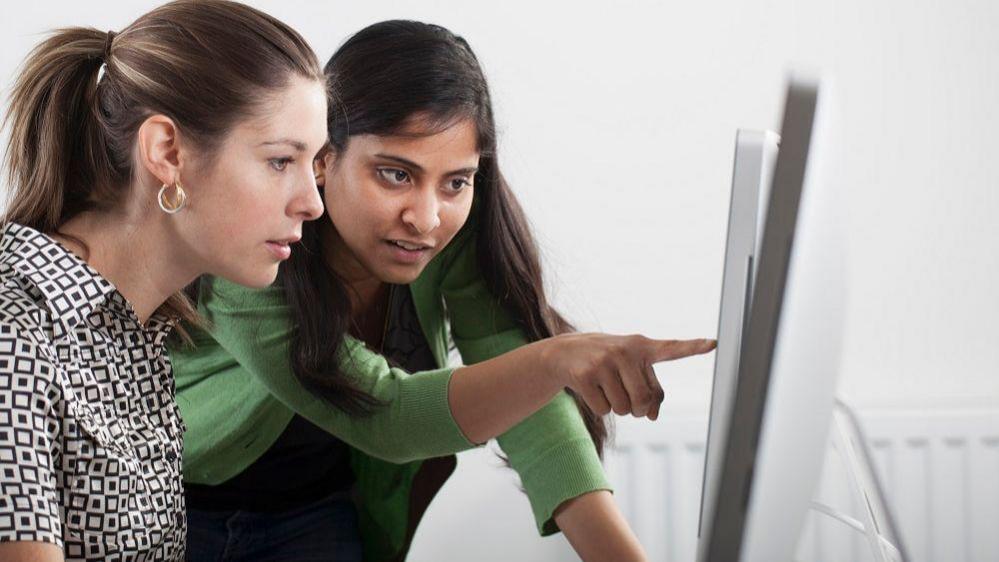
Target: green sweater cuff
{"x":568,"y":470}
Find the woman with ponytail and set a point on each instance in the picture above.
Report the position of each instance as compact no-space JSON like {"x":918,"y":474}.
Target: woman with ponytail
{"x":299,"y":397}
{"x":137,"y":162}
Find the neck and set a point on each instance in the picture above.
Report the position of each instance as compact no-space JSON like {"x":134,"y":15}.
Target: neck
{"x":114,"y":240}
{"x":364,"y":288}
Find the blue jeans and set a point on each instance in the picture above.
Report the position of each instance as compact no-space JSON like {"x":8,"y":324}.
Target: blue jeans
{"x":325,"y":530}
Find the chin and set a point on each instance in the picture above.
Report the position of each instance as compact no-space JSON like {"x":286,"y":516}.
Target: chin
{"x":257,"y":279}
{"x":400,"y":276}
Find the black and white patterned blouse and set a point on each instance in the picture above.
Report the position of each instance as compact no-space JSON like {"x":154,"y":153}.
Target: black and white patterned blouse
{"x":90,"y":434}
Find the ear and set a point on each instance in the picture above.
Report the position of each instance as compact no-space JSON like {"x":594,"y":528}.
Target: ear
{"x":322,"y":164}
{"x":159,"y":148}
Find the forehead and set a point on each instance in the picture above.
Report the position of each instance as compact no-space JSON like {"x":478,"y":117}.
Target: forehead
{"x":425,"y":142}
{"x":297,"y":111}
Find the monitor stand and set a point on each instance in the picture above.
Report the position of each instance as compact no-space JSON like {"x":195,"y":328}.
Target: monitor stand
{"x":877,"y":526}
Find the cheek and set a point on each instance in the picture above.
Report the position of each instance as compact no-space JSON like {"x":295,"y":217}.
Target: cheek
{"x":359,"y":212}
{"x":252,"y":210}
{"x":242,"y":206}
{"x":453,"y":217}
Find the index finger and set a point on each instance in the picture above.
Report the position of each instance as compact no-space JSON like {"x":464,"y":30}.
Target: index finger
{"x":669,"y":350}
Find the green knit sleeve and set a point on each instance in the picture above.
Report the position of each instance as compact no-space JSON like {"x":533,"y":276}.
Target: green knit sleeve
{"x":415,"y":421}
{"x":551,"y":450}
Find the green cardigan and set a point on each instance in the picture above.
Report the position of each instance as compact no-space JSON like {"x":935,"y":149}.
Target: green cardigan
{"x":237,"y":393}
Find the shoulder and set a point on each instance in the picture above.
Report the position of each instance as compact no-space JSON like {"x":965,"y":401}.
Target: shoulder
{"x":237,"y":317}
{"x":221,"y":295}
{"x":23,"y":321}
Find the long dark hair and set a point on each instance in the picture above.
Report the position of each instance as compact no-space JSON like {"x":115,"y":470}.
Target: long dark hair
{"x":380,"y":78}
{"x":204,"y":63}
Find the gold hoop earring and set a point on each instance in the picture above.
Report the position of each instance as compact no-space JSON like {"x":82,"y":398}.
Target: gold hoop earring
{"x":174,"y":205}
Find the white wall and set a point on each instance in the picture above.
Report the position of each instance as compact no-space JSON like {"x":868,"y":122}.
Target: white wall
{"x":618,"y":123}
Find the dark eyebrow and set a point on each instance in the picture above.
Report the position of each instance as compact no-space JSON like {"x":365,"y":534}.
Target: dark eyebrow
{"x":417,"y":168}
{"x":297,"y":145}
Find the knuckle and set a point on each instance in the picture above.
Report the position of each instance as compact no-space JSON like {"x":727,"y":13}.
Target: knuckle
{"x":607,"y":360}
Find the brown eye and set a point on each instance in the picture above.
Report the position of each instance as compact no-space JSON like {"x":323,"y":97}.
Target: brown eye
{"x":458,"y":184}
{"x":394,"y":176}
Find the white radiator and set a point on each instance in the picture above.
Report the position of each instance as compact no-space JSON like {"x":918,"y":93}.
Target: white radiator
{"x":940,"y":470}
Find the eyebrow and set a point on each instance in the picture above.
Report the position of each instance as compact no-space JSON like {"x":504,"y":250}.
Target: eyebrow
{"x":296,"y":144}
{"x":418,"y":168}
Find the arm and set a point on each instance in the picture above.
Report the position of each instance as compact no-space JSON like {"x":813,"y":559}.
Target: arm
{"x":30,"y":552}
{"x":418,"y":419}
{"x":597,"y":530}
{"x":29,"y":503}
{"x":435,"y":413}
{"x":551,"y":451}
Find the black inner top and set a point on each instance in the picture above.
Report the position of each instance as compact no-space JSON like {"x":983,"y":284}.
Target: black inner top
{"x":306,"y":464}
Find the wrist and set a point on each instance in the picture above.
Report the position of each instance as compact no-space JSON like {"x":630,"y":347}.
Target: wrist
{"x":547,"y":359}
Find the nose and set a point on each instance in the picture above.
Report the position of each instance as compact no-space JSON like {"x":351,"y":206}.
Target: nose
{"x":422,"y":213}
{"x":307,"y":204}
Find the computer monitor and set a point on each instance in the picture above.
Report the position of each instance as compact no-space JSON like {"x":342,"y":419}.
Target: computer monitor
{"x":752,"y":171}
{"x":762,"y":482}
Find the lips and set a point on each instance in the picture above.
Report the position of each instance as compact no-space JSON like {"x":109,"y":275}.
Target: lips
{"x":407,"y":252}
{"x":281,"y":249}
{"x":286,"y":241}
{"x":411,"y":246}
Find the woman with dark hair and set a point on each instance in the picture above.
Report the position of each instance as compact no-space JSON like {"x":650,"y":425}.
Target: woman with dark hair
{"x":137,"y":161}
{"x":300,"y":394}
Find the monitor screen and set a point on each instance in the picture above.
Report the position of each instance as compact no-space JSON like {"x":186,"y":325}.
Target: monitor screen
{"x":763,"y":476}
{"x":755,"y":156}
